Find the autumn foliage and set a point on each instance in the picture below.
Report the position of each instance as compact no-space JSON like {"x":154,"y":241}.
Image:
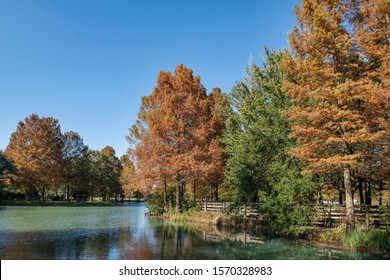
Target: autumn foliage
{"x":177,"y":139}
{"x":35,"y":147}
{"x":338,"y":81}
{"x":40,"y":159}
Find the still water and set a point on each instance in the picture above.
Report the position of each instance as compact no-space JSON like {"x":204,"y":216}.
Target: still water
{"x":124,"y":232}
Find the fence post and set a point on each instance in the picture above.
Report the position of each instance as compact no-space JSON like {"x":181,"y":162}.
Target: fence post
{"x":329,"y":223}
{"x":244,"y":215}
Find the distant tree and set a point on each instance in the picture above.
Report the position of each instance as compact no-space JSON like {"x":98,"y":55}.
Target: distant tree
{"x":86,"y":177}
{"x":7,"y":169}
{"x":127,"y":177}
{"x":338,"y":81}
{"x":73,"y":148}
{"x":110,"y":169}
{"x":36,"y":147}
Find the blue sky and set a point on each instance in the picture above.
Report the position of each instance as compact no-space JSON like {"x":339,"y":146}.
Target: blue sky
{"x":87,"y":63}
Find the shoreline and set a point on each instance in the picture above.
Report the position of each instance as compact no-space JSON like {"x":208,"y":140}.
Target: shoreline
{"x":208,"y":221}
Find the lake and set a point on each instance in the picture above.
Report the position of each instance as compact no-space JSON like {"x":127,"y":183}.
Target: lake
{"x":124,"y":232}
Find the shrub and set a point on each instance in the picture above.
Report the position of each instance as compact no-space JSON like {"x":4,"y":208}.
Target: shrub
{"x":156,"y":205}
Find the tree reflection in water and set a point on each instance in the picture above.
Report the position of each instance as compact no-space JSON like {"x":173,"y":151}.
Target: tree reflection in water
{"x":124,"y":232}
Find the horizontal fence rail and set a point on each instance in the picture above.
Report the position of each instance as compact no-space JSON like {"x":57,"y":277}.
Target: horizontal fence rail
{"x":329,"y":215}
{"x":224,"y":206}
{"x":322,"y":215}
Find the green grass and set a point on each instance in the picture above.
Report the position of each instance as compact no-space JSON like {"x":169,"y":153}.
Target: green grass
{"x":380,"y":239}
{"x":357,"y":239}
{"x":373,"y":239}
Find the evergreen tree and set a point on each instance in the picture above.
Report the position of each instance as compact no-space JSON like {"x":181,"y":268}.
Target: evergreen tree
{"x":259,"y":166}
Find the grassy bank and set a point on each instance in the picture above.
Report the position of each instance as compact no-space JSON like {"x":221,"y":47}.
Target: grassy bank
{"x":374,"y":240}
{"x":200,"y":220}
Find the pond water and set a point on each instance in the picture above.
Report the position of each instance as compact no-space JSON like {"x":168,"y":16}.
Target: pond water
{"x":124,"y":232}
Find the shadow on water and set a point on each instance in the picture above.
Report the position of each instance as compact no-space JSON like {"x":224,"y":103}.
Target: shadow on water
{"x":126,"y":233}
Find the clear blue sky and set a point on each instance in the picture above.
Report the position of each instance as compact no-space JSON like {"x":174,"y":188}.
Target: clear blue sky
{"x":87,"y":63}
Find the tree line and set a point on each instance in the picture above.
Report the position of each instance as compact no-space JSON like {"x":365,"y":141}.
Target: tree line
{"x":309,"y":124}
{"x":40,"y":161}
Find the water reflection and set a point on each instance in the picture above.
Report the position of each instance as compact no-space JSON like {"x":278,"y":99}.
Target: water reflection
{"x":126,"y":233}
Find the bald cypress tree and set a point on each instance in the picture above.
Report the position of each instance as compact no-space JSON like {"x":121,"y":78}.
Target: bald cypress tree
{"x":339,"y":103}
{"x":36,"y":149}
{"x":176,"y":132}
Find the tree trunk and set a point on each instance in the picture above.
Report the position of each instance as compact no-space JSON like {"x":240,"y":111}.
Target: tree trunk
{"x":165,"y":196}
{"x":319,"y":194}
{"x":43,"y":195}
{"x":360,"y":186}
{"x":67,"y":181}
{"x":341,"y":191}
{"x":178,"y":198}
{"x":181,"y":191}
{"x":380,"y":191}
{"x":67,"y":192}
{"x":194,"y":193}
{"x":216,"y":192}
{"x":368,"y":193}
{"x":349,"y":222}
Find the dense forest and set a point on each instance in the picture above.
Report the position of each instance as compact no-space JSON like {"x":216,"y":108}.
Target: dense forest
{"x":311,"y":124}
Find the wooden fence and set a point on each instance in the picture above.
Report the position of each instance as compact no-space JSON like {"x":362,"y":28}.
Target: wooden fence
{"x":331,"y":215}
{"x":322,"y":215}
{"x":245,"y":210}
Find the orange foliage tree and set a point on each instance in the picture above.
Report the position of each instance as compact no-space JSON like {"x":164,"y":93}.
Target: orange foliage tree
{"x":36,"y":149}
{"x":176,"y":132}
{"x":338,"y":81}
